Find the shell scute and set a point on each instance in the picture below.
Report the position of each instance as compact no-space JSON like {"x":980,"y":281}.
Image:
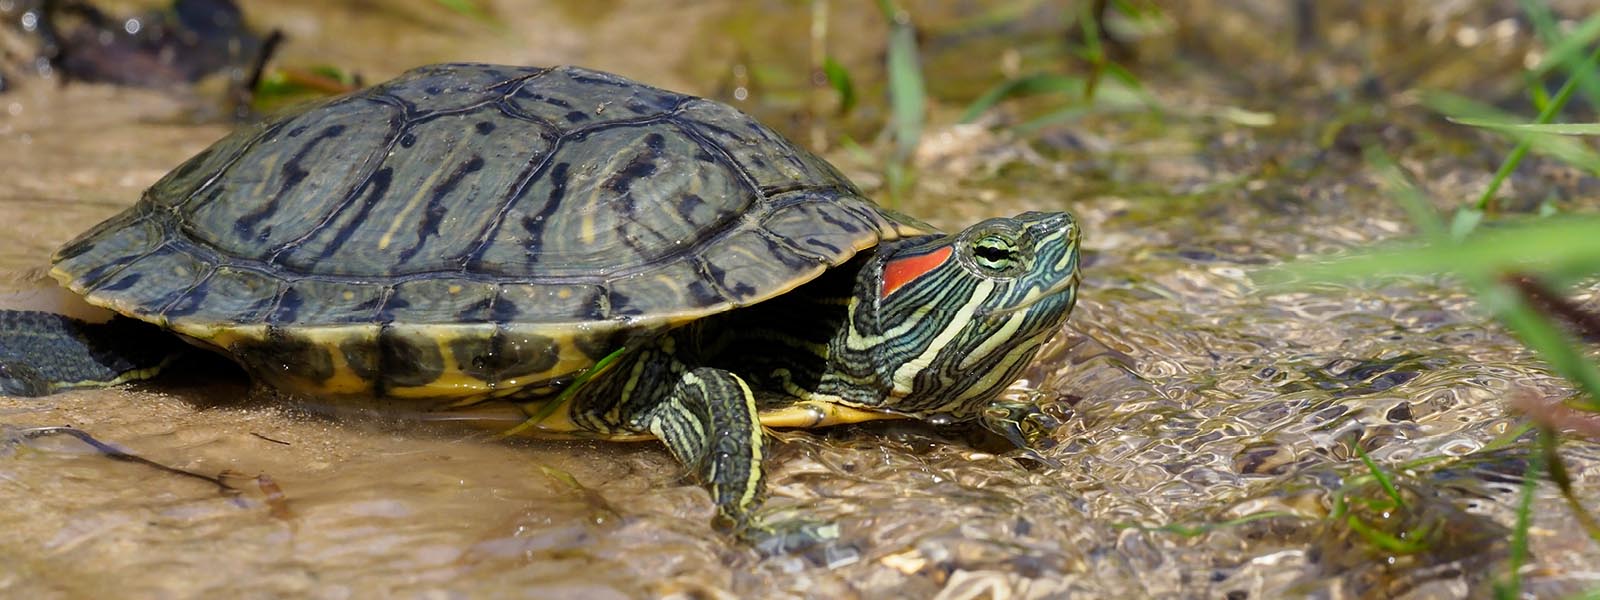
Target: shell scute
{"x":275,"y":193}
{"x":458,"y":300}
{"x":326,"y":301}
{"x":574,"y":98}
{"x":451,"y":87}
{"x":769,"y":159}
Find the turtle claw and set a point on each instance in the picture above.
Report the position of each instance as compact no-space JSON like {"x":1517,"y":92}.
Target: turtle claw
{"x":833,"y":554}
{"x":1035,"y":456}
{"x":1025,"y":426}
{"x":818,"y":541}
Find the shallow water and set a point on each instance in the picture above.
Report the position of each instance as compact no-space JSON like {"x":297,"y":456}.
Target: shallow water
{"x":1192,"y":397}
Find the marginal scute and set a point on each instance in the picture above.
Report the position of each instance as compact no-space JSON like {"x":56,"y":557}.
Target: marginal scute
{"x":550,"y":303}
{"x":107,"y":248}
{"x":440,"y":300}
{"x":407,"y":357}
{"x":119,"y":282}
{"x":286,"y":308}
{"x":506,"y":355}
{"x":230,"y":295}
{"x":177,"y":271}
{"x":336,"y":302}
{"x":674,"y":287}
{"x":293,"y":362}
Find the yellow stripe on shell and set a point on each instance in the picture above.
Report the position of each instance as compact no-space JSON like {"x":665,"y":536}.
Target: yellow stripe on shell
{"x":416,"y":199}
{"x":268,"y":165}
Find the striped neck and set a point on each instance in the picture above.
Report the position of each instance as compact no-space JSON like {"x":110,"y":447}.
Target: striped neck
{"x":947,"y":322}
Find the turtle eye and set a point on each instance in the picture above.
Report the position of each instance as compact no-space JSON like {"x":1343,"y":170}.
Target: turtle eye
{"x":997,"y":254}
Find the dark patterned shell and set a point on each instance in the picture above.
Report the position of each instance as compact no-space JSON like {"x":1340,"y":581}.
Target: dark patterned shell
{"x":466,"y":229}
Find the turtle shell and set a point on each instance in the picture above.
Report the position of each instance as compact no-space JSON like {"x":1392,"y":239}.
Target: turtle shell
{"x":469,"y":230}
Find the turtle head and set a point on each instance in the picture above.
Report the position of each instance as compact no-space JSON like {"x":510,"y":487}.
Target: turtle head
{"x":953,"y":319}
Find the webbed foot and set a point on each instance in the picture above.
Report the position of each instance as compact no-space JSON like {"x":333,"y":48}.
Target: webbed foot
{"x":788,"y":536}
{"x":819,"y":542}
{"x":1024,"y":425}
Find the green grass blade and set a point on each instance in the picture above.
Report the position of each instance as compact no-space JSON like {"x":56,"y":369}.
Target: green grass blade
{"x":1550,"y":32}
{"x":1027,"y":85}
{"x":1567,"y":245}
{"x":1386,"y":541}
{"x":1484,"y":259}
{"x":839,"y":78}
{"x":1093,"y":52}
{"x":1485,"y":200}
{"x":1571,"y":245}
{"x":1568,"y":47}
{"x":907,"y":99}
{"x":1519,"y":536}
{"x":1382,"y":477}
{"x":546,"y":408}
{"x":1543,"y":128}
{"x":906,"y":92}
{"x":1561,"y":147}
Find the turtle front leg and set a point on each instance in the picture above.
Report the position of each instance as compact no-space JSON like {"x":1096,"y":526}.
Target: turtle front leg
{"x":710,"y":423}
{"x":708,"y":419}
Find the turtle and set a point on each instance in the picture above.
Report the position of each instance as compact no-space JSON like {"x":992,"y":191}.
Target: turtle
{"x":615,"y":260}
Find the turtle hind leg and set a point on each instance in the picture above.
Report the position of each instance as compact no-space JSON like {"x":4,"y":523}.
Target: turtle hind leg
{"x":43,"y":353}
{"x":711,"y":424}
{"x":23,"y":381}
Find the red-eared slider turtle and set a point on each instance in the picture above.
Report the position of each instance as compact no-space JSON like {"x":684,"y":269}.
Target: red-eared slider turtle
{"x":473,"y":232}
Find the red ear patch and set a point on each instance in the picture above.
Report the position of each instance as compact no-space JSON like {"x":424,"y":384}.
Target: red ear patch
{"x":901,"y":271}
